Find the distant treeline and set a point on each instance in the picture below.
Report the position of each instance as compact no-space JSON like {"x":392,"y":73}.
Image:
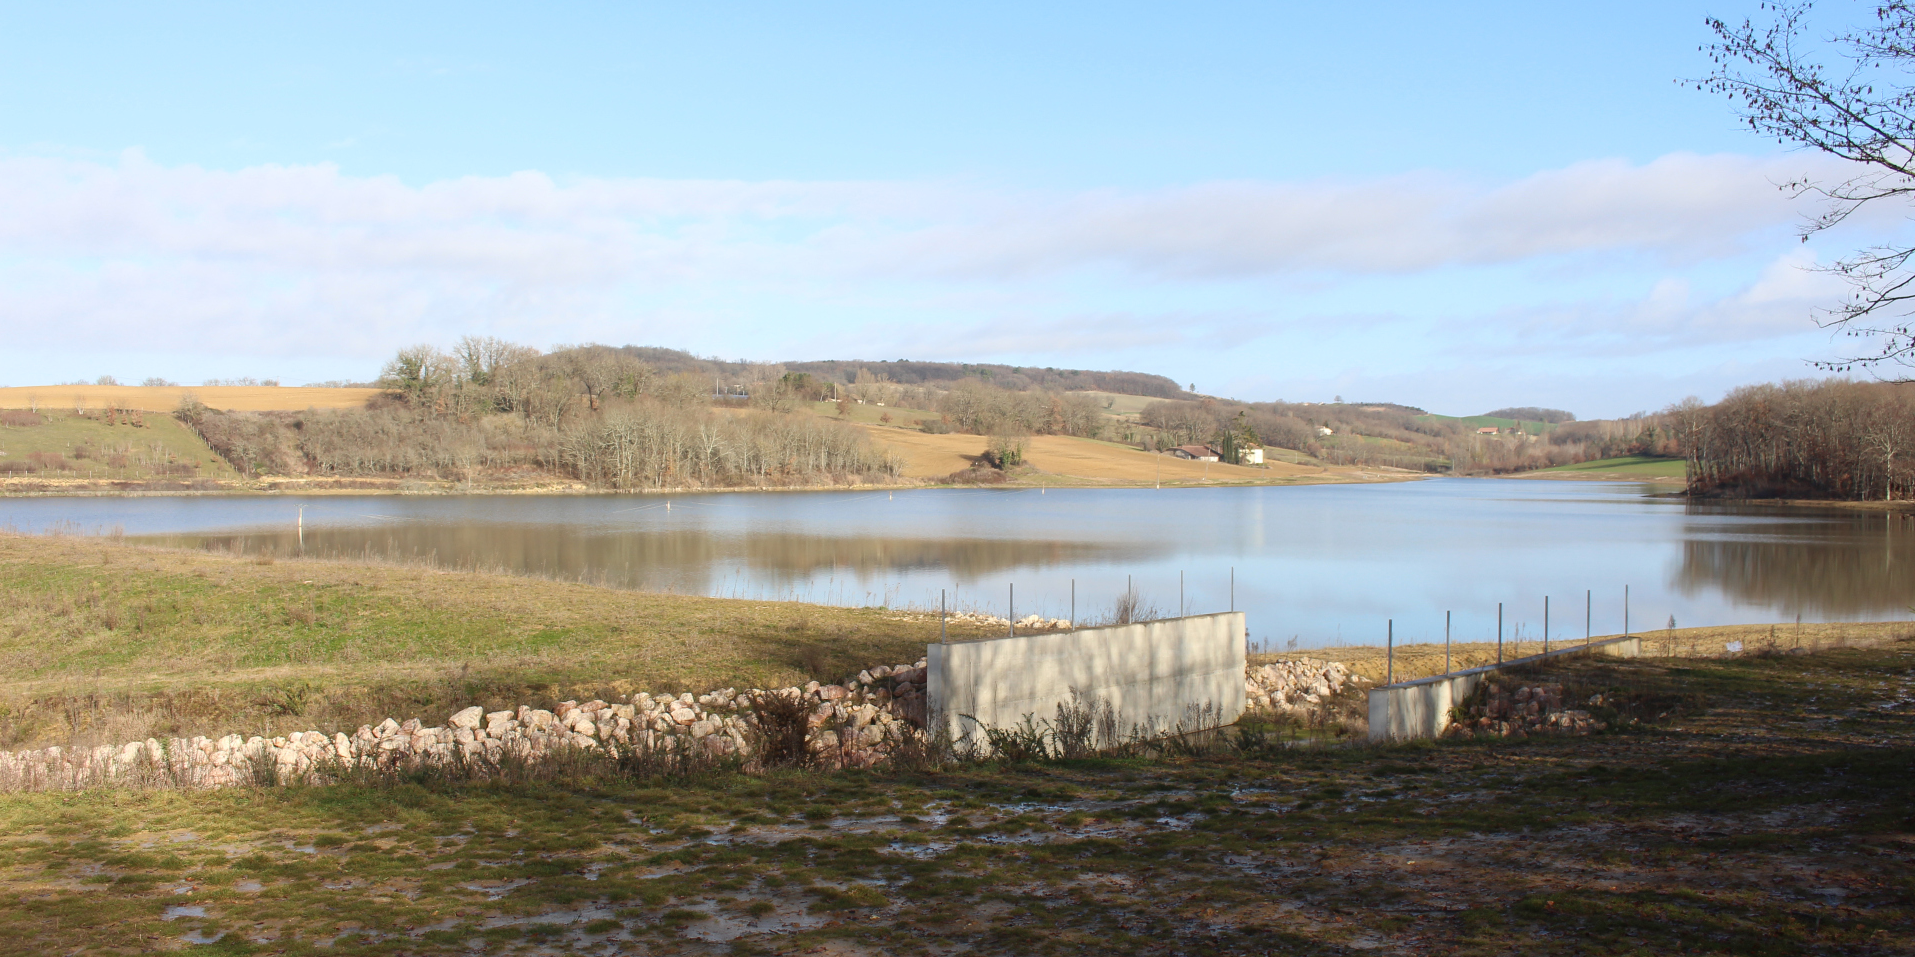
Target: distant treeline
{"x":908,"y":373}
{"x":493,"y":412}
{"x":1834,"y":439}
{"x":1530,"y":413}
{"x":1399,"y":436}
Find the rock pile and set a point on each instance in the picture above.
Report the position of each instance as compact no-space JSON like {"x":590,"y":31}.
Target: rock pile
{"x":1295,"y":684}
{"x":1522,"y":711}
{"x":1028,"y":622}
{"x":855,"y":724}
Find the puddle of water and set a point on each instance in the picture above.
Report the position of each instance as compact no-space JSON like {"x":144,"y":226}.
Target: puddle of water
{"x":178,"y":911}
{"x":381,"y":828}
{"x":923,"y":852}
{"x":185,"y":836}
{"x":497,"y":889}
{"x":720,"y":927}
{"x":199,"y":937}
{"x":249,"y":887}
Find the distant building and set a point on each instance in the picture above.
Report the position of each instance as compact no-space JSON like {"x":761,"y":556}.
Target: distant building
{"x":1251,"y":456}
{"x":1197,"y":453}
{"x":1325,"y":430}
{"x":1488,"y":430}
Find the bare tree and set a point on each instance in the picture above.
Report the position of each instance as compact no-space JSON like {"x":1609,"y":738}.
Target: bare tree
{"x":1860,"y":109}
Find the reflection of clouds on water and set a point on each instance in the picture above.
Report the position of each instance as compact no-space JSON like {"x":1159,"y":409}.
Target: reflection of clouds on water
{"x":684,"y":560}
{"x":1824,"y":567}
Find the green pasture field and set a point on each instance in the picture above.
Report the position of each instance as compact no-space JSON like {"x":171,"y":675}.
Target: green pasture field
{"x":1483,"y":421}
{"x":159,"y":447}
{"x":1624,"y":467}
{"x":106,"y":642}
{"x":869,"y":414}
{"x":1764,"y":806}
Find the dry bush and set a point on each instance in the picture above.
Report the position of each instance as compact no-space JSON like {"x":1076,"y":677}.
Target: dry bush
{"x":779,"y":725}
{"x":20,"y":418}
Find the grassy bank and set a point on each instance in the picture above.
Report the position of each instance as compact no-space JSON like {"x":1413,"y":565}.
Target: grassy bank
{"x":1424,"y":660}
{"x":1767,"y":811}
{"x":102,"y":641}
{"x":1629,"y":468}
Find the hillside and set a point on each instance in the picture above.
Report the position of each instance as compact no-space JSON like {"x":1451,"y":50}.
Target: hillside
{"x":95,"y":398}
{"x":68,"y":447}
{"x":908,"y":372}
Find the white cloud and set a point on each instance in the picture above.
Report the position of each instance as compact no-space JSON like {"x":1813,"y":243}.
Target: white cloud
{"x":283,"y":261}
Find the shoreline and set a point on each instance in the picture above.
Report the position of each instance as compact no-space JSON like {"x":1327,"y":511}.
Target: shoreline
{"x":281,"y":487}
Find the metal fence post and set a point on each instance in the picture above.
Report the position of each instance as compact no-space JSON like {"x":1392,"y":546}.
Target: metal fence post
{"x":1389,"y":654}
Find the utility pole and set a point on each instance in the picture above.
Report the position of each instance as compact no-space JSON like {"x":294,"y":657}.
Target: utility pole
{"x":1499,"y":632}
{"x":1446,"y":643}
{"x":1545,"y":624}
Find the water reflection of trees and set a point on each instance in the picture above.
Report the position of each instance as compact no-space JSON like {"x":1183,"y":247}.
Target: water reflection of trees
{"x":1812,"y":570}
{"x":684,"y":560}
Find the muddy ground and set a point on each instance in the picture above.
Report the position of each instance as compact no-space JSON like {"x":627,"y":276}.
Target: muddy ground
{"x":1756,"y":805}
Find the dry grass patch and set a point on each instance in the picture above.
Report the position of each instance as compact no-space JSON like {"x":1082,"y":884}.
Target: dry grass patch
{"x":100,"y":638}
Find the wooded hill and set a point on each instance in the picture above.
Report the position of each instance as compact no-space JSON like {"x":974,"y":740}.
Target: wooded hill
{"x":908,"y":372}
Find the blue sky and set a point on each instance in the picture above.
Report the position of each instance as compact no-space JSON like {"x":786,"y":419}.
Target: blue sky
{"x":1457,"y":206}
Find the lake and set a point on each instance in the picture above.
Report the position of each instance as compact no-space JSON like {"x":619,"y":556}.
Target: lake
{"x":1314,"y":565}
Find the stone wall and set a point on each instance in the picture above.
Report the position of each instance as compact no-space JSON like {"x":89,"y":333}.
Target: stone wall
{"x":855,"y":724}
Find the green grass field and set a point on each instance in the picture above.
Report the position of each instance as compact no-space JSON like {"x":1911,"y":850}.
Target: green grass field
{"x":87,"y":447}
{"x":1626,"y":467}
{"x":1484,"y":421}
{"x":1765,"y":810}
{"x":105,"y":642}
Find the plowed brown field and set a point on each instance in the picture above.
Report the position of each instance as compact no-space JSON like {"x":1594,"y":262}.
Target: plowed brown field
{"x":167,"y":398}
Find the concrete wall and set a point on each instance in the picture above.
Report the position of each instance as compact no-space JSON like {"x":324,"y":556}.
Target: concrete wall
{"x":1147,"y":672}
{"x":1421,"y":709}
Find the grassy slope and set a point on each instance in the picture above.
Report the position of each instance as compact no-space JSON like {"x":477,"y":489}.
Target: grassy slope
{"x":1484,"y":421}
{"x":161,"y":640}
{"x":1087,"y":461}
{"x":168,"y":398}
{"x":1631,"y":468}
{"x":67,"y":431}
{"x":1769,"y":814}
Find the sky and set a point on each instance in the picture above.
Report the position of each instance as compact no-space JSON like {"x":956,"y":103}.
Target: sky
{"x":1456,"y":206}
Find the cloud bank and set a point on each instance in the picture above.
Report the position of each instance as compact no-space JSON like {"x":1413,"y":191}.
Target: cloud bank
{"x":1602,"y":258}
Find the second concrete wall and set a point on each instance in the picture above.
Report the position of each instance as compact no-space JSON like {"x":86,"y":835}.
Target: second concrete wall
{"x":1152,"y":673}
{"x":1421,"y":709}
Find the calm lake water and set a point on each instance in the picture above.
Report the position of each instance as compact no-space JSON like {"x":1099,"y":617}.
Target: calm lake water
{"x":1317,"y":565}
